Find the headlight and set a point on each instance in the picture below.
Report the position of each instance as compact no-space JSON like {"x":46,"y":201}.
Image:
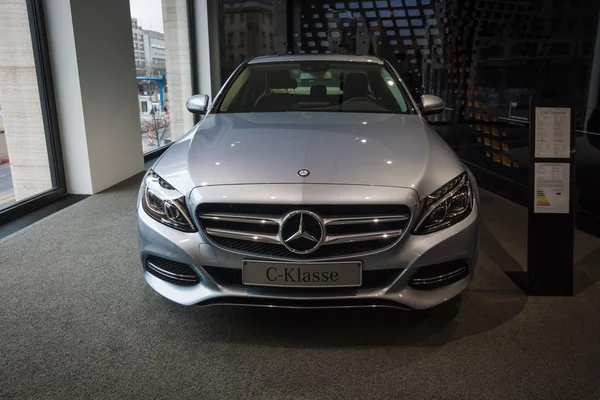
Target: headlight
{"x":165,"y":204}
{"x":446,"y":206}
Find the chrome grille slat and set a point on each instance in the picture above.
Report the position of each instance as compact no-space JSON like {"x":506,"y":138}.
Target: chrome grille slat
{"x":440,"y":278}
{"x":255,"y":229}
{"x":189,"y":278}
{"x":251,"y":236}
{"x":361,"y":237}
{"x":171,"y":271}
{"x":364,"y":219}
{"x":243,"y":218}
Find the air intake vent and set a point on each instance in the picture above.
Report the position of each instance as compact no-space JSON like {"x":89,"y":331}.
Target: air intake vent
{"x":347,"y":229}
{"x":171,"y":271}
{"x":439,"y":275}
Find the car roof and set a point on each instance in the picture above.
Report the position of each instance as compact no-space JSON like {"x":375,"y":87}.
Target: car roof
{"x":316,"y":57}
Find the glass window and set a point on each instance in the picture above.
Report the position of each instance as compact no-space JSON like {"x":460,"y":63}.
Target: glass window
{"x":321,"y":86}
{"x":252,"y":37}
{"x":29,"y":168}
{"x":161,"y":124}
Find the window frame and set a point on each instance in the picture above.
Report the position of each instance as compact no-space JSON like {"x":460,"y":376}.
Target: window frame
{"x":41,"y":56}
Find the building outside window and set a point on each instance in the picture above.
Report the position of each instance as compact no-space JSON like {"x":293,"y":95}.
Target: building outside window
{"x":161,"y":47}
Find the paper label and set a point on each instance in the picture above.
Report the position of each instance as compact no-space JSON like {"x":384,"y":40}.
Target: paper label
{"x":552,"y":132}
{"x":552,"y":188}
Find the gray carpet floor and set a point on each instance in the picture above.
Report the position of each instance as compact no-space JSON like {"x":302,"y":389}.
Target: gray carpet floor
{"x":78,"y":321}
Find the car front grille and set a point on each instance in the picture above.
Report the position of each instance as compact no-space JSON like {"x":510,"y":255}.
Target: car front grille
{"x":347,"y":229}
{"x":171,"y":271}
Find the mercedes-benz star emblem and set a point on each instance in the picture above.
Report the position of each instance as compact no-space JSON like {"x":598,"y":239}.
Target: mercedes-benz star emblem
{"x":303,"y":173}
{"x":301,"y":232}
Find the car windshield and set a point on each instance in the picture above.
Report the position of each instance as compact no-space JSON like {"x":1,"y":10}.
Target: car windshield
{"x":315,"y":86}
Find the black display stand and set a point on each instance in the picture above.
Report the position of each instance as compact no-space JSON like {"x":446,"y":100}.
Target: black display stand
{"x":550,"y":235}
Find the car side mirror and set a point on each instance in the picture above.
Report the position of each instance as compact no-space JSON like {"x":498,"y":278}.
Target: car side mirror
{"x":198,"y":104}
{"x":431,"y":105}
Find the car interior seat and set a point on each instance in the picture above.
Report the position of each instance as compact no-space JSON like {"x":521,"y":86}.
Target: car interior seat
{"x":270,"y":101}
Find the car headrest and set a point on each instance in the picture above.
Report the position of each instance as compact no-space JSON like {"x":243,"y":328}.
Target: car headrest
{"x":356,"y":84}
{"x":318,"y":91}
{"x":280,"y":79}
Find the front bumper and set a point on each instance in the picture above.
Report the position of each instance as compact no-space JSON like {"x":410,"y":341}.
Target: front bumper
{"x":411,"y":254}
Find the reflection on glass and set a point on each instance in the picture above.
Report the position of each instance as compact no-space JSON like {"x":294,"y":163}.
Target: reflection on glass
{"x":485,"y":72}
{"x":250,"y":35}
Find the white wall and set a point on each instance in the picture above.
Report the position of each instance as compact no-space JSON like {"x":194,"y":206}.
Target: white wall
{"x":109,"y":89}
{"x":69,"y":104}
{"x":96,"y":91}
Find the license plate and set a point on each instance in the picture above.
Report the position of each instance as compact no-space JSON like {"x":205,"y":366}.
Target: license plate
{"x":334,"y":274}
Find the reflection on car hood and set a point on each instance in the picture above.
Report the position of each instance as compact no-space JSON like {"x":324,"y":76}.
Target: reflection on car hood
{"x":337,"y":148}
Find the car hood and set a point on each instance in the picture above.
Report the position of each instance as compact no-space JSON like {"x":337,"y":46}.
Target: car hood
{"x":336,"y":148}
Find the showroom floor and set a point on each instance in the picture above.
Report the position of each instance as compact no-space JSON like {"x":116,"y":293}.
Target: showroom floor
{"x":78,"y":321}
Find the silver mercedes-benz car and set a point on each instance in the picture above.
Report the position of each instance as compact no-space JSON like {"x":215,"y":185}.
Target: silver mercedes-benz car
{"x":312,"y":181}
